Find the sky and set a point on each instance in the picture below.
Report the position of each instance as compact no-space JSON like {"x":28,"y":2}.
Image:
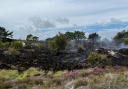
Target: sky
{"x":45,"y":18}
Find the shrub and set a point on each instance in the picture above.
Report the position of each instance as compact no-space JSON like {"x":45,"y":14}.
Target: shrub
{"x":59,"y":42}
{"x":97,"y":59}
{"x":4,"y":44}
{"x":16,"y":44}
{"x":8,"y":74}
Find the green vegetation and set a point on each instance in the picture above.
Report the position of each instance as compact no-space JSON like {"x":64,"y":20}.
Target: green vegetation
{"x":97,"y":59}
{"x":110,"y":79}
{"x":94,"y":36}
{"x":51,"y":64}
{"x":77,"y":35}
{"x":4,"y":34}
{"x":122,"y":37}
{"x":30,"y":37}
{"x":58,"y":42}
{"x":16,"y":44}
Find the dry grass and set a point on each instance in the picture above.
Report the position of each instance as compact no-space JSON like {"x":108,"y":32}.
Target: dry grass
{"x":111,"y":78}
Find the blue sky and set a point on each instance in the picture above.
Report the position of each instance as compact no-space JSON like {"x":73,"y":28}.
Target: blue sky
{"x":45,"y":18}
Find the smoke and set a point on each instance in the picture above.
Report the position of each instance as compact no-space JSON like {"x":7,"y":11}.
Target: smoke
{"x":62,"y":20}
{"x":39,"y":23}
{"x":122,"y":45}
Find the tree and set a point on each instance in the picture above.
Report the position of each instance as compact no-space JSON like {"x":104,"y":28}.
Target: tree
{"x":77,"y":35}
{"x":94,"y":38}
{"x":70,"y":35}
{"x":59,"y":42}
{"x":35,"y":38}
{"x":121,"y":37}
{"x":29,"y":37}
{"x":4,"y":34}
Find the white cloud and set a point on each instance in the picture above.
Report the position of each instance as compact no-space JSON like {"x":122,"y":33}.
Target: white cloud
{"x":16,"y":13}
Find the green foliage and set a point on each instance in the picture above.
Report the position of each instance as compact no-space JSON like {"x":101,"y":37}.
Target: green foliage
{"x":94,"y":40}
{"x":126,"y":41}
{"x":4,"y":44}
{"x":13,"y":74}
{"x":13,"y":44}
{"x":97,"y":59}
{"x":35,"y":38}
{"x":58,"y":74}
{"x":121,"y":37}
{"x":58,"y":43}
{"x":51,"y":44}
{"x":16,"y":44}
{"x":30,"y":37}
{"x":77,"y":35}
{"x":5,"y":34}
{"x":8,"y":74}
{"x":93,"y":36}
{"x":28,"y":73}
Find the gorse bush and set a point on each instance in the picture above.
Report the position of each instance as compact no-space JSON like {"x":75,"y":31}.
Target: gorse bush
{"x":97,"y":59}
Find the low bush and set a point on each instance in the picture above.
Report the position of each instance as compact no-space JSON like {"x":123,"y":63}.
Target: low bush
{"x":4,"y":44}
{"x":8,"y":74}
{"x":97,"y":59}
{"x":16,"y":44}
